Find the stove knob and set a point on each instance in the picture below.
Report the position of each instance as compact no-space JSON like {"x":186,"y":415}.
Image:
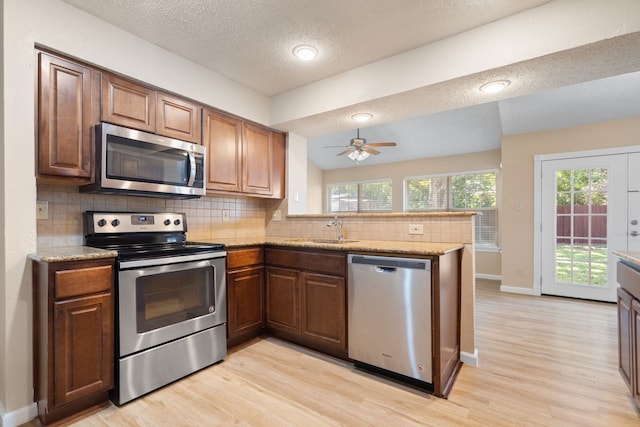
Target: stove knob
{"x":102,"y":223}
{"x":115,"y":222}
{"x":167,"y":222}
{"x":176,"y":222}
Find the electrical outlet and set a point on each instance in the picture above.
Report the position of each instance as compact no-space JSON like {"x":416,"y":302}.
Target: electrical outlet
{"x":277,"y":215}
{"x":42,"y":209}
{"x":225,"y":216}
{"x":519,"y":272}
{"x":416,"y":229}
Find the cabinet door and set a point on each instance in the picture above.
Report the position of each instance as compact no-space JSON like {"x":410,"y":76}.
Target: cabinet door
{"x":178,"y":118}
{"x":222,"y":136}
{"x":258,"y":160}
{"x":323,"y":319}
{"x":245,"y":290}
{"x":625,"y":348}
{"x":64,"y":118}
{"x":635,"y":341}
{"x":283,"y":306}
{"x":128,"y":104}
{"x":83,"y":346}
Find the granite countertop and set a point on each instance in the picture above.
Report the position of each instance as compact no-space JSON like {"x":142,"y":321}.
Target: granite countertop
{"x":82,"y":253}
{"x":71,"y":253}
{"x":396,"y":247}
{"x":631,"y":256}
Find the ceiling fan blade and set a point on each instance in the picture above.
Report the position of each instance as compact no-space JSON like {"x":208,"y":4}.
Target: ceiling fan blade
{"x":382,"y":144}
{"x":348,"y":150}
{"x":336,"y":146}
{"x":370,"y":150}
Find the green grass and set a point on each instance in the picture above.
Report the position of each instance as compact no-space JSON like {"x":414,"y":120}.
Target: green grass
{"x":572,"y":264}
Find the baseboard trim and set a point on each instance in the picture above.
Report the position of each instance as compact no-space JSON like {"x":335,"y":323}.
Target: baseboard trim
{"x":469,"y":358}
{"x":489,"y":276}
{"x":517,"y":290}
{"x":18,"y":417}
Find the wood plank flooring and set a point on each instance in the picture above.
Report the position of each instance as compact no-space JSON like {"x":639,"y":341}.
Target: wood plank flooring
{"x":544,"y":361}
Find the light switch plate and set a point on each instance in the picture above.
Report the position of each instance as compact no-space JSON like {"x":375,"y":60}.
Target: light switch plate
{"x":42,"y":209}
{"x":416,"y":229}
{"x":277,"y":215}
{"x":225,"y":216}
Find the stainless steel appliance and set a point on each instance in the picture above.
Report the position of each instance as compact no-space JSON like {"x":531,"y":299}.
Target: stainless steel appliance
{"x":389,"y":315}
{"x":135,"y":162}
{"x":171,"y":309}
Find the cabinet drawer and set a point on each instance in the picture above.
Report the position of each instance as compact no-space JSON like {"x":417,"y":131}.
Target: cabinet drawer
{"x":82,"y":281}
{"x":629,"y":279}
{"x":325,"y":262}
{"x":244,"y":257}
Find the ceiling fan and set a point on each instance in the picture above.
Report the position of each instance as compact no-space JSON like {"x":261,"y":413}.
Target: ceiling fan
{"x":359,"y":149}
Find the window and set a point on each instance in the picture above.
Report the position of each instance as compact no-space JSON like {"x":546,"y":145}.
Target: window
{"x":475,"y":191}
{"x":359,"y":197}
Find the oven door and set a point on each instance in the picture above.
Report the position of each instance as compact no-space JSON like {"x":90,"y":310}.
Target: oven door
{"x":165,"y":299}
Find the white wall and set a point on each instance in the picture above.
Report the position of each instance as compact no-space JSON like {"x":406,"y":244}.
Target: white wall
{"x":296,"y":174}
{"x":56,"y":25}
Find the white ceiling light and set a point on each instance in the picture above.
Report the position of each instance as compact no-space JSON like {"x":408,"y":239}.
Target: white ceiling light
{"x":305,"y":52}
{"x":358,"y":155}
{"x":495,"y":87}
{"x":362,"y":117}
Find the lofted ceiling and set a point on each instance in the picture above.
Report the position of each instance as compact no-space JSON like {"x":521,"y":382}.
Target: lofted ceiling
{"x":250,"y":41}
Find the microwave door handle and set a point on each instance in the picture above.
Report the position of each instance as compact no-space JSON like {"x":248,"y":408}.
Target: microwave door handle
{"x":192,"y":169}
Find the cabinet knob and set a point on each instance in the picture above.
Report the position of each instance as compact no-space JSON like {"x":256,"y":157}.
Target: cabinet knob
{"x":634,"y":233}
{"x":634,"y":222}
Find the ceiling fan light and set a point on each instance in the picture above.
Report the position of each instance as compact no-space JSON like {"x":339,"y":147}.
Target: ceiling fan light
{"x":305,"y":52}
{"x":362,"y":117}
{"x":495,"y":87}
{"x":358,"y":155}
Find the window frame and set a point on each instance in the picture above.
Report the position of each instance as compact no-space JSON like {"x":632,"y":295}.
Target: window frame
{"x":359,"y":184}
{"x":488,"y":247}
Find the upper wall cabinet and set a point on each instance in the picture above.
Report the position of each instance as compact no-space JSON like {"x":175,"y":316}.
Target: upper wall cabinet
{"x":243,"y":157}
{"x":178,"y":118}
{"x":137,"y":106}
{"x":68,"y":98}
{"x":222,"y":135}
{"x":128,"y":104}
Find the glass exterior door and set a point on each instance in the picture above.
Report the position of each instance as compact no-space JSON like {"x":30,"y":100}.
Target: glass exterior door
{"x":582,"y":213}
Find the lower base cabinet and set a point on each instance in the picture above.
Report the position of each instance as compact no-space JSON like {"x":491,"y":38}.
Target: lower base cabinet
{"x":306,"y":298}
{"x":629,"y":328}
{"x":73,"y":336}
{"x":245,"y":294}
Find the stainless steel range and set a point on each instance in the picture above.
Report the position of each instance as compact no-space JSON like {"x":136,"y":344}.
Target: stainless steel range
{"x":171,"y":306}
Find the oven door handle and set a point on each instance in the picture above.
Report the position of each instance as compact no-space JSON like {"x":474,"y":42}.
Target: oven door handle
{"x":170,"y":260}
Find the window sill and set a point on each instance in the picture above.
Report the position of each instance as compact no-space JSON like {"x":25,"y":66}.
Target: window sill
{"x":488,"y":248}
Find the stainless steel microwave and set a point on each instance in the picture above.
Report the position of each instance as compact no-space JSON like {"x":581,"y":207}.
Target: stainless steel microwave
{"x":139,"y":163}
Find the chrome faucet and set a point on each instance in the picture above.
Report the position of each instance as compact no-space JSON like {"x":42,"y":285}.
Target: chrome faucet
{"x":337,"y":223}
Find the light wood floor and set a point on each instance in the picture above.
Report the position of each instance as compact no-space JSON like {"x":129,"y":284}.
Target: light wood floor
{"x":543,"y":362}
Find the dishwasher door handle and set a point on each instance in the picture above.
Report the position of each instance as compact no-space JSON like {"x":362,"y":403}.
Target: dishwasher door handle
{"x":380,"y":269}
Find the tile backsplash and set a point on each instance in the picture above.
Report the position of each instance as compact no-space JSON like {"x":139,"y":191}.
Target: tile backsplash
{"x":204,"y":215}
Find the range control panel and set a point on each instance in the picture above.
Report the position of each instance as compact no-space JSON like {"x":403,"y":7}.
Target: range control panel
{"x":133,"y":222}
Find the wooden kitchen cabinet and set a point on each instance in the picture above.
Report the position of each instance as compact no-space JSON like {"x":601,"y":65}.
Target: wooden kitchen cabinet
{"x":245,"y":294}
{"x":73,"y":336}
{"x":243,"y":158}
{"x":128,"y":104}
{"x":222,"y":135}
{"x":178,"y":118}
{"x":629,"y":327}
{"x":306,"y":298}
{"x":68,"y":105}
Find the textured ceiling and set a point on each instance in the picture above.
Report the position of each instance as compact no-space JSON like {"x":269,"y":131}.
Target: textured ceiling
{"x":250,"y":41}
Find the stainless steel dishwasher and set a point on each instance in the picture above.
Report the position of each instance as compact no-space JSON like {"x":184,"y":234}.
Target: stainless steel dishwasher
{"x":389,"y":314}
